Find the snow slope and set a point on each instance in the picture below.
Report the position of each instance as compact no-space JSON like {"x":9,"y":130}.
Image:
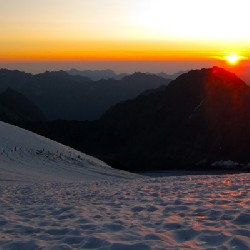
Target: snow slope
{"x":25,"y":156}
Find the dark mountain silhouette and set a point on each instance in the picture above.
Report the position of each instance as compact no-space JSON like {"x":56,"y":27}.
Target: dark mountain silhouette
{"x":96,"y":75}
{"x":16,"y":107}
{"x":201,"y":117}
{"x":13,"y":79}
{"x":62,"y":96}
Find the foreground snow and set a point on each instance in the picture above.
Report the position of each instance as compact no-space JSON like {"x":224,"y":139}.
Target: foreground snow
{"x":25,"y":156}
{"x":184,"y":212}
{"x":54,"y":197}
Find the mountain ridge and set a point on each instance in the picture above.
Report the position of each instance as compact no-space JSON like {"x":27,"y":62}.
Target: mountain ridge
{"x":62,"y":96}
{"x":200,"y":118}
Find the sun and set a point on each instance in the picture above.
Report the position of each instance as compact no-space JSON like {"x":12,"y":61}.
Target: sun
{"x":233,"y":59}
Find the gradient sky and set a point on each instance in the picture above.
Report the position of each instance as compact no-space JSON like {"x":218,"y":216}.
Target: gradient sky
{"x":123,"y":29}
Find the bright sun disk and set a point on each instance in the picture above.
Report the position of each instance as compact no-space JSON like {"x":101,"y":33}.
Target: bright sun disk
{"x":233,"y":59}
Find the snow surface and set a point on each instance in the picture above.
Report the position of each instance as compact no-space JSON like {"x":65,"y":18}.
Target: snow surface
{"x":26,"y":156}
{"x":53,"y":197}
{"x":184,"y":212}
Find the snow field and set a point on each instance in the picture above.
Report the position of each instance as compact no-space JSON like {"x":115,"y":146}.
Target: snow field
{"x":184,"y":212}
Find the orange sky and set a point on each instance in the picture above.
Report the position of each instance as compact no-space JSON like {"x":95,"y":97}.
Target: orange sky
{"x":111,"y":50}
{"x":45,"y":30}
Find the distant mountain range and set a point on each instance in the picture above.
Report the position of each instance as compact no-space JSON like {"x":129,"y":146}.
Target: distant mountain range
{"x":199,"y":120}
{"x":96,"y":75}
{"x":169,"y":76}
{"x":62,"y":96}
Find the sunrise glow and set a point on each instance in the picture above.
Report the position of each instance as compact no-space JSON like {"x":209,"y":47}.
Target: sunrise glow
{"x":122,"y":30}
